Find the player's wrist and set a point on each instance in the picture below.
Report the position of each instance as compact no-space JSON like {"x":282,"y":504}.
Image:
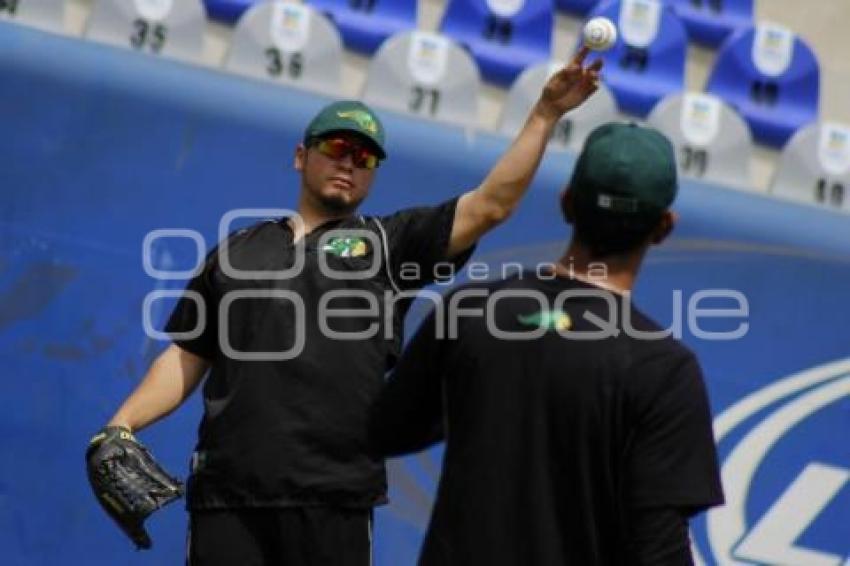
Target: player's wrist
{"x":119,"y":422}
{"x":546,"y":111}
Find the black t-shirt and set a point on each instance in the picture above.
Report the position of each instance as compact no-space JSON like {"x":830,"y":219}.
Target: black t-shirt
{"x":553,"y":443}
{"x":286,"y":401}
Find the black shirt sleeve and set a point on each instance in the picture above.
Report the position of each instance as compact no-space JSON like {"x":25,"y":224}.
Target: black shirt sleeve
{"x":418,"y":240}
{"x":186,"y":316}
{"x":658,"y":536}
{"x":408,"y":414}
{"x":673,"y":460}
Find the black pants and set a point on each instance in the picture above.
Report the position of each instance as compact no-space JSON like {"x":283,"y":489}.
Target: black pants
{"x":297,"y":536}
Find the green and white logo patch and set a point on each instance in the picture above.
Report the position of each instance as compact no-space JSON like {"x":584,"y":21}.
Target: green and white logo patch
{"x":346,"y":247}
{"x":362,"y":118}
{"x":549,"y":319}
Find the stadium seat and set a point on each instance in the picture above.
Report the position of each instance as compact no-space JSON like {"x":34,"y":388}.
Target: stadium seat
{"x":579,"y":7}
{"x":648,"y":61}
{"x":574,"y":127}
{"x":771,"y":77}
{"x":365,"y":24}
{"x":228,"y":10}
{"x":48,"y":15}
{"x":815,"y":166}
{"x":711,"y":21}
{"x":425,"y":74}
{"x":170,"y":28}
{"x":712,"y":142}
{"x":287,"y":43}
{"x":504,"y":36}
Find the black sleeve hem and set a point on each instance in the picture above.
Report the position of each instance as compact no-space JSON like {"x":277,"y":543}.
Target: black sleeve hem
{"x":460,"y":258}
{"x":421,"y":236}
{"x":194,"y":348}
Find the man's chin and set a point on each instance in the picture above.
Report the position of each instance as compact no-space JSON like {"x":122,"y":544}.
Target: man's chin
{"x":340,"y":203}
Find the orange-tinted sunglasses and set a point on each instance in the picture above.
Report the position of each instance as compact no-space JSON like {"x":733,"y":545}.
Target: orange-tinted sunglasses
{"x":363,"y":157}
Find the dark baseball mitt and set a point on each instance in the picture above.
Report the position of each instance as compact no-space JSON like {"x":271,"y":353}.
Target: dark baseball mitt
{"x":127,"y":481}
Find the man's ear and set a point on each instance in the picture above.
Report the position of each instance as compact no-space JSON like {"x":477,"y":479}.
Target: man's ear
{"x":664,"y":227}
{"x":300,"y":157}
{"x":568,"y":205}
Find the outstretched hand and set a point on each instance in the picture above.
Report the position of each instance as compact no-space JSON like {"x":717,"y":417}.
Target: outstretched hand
{"x":570,"y":86}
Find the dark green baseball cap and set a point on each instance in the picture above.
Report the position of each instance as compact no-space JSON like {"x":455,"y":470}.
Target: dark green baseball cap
{"x":348,"y":116}
{"x":625,"y":170}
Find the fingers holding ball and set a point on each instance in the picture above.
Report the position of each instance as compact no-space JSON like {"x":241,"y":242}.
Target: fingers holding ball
{"x":600,"y":34}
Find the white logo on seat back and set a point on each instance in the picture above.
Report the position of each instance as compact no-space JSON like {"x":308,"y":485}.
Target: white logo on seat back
{"x":290,"y":26}
{"x":834,"y":148}
{"x":700,"y":118}
{"x":505,"y":8}
{"x":427,"y":57}
{"x":640,"y":21}
{"x":154,"y":10}
{"x":773,"y":49}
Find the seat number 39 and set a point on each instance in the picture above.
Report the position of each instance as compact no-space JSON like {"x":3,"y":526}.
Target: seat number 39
{"x":147,"y":34}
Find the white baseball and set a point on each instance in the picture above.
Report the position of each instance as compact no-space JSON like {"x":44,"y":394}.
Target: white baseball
{"x":600,"y":34}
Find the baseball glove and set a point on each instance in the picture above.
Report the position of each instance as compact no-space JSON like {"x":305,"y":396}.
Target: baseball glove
{"x":127,"y":481}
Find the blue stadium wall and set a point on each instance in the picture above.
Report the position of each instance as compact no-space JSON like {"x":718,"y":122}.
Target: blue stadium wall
{"x":100,"y":146}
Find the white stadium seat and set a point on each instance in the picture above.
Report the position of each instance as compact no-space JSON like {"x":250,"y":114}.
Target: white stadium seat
{"x":171,"y":28}
{"x":48,"y":15}
{"x":425,"y":74}
{"x":712,"y":141}
{"x":815,"y":166}
{"x":574,"y":127}
{"x":287,"y":43}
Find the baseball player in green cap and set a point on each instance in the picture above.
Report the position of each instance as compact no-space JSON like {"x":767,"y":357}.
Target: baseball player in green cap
{"x":281,"y":473}
{"x":577,"y":432}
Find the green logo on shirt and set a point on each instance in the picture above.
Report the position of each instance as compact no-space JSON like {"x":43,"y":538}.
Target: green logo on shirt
{"x":346,"y":247}
{"x":550,"y":320}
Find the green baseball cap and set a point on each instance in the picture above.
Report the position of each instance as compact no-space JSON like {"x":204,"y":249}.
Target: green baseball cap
{"x":348,"y":116}
{"x":625,"y":170}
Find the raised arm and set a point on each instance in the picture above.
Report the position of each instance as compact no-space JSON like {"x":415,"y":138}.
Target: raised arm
{"x":495,"y":198}
{"x":168,"y":382}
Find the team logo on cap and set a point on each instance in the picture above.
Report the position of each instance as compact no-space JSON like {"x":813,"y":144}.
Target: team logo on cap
{"x":346,"y":247}
{"x":363,"y":119}
{"x":548,"y":319}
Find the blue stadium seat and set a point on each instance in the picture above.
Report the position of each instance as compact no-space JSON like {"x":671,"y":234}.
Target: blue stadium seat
{"x":648,"y":61}
{"x":365,"y":24}
{"x":580,"y":7}
{"x":228,"y":10}
{"x":778,"y":91}
{"x":711,"y":21}
{"x":504,"y":36}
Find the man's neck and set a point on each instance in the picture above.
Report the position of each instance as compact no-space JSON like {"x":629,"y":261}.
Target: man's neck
{"x":311,"y":218}
{"x":616,"y":274}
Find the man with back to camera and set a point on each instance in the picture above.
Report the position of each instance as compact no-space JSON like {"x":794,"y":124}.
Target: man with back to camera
{"x":281,"y":473}
{"x":563,"y":448}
